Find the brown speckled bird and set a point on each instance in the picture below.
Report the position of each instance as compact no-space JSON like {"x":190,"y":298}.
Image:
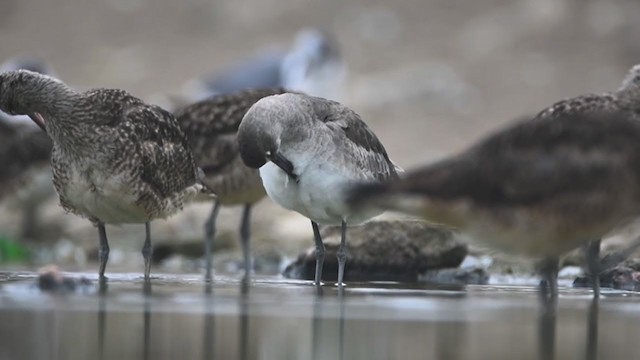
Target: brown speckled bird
{"x":115,"y":159}
{"x":211,"y":126}
{"x":539,"y":188}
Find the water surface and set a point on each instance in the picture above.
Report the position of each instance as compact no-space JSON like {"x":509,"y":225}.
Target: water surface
{"x":178,"y":317}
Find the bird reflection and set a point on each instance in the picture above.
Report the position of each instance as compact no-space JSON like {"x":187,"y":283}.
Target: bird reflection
{"x":146,"y":291}
{"x":243,"y":342}
{"x":208,"y":340}
{"x":592,"y":331}
{"x":547,"y":328}
{"x":317,"y":324}
{"x":102,"y":316}
{"x":341,"y":297}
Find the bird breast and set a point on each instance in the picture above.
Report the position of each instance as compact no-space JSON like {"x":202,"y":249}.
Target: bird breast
{"x":320,"y":192}
{"x":106,"y":197}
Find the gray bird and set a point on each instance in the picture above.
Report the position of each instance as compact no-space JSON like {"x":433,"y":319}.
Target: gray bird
{"x":309,"y":151}
{"x":541,"y":187}
{"x":313,"y":65}
{"x":115,"y":159}
{"x":211,"y":126}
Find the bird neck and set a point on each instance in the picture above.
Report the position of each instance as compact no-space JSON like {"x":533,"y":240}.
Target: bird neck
{"x":44,"y":95}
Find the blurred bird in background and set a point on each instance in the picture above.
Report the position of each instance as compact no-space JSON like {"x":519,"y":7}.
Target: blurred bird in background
{"x":313,"y":65}
{"x":25,"y":151}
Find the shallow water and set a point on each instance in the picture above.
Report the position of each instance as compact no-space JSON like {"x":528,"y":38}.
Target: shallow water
{"x":178,"y":317}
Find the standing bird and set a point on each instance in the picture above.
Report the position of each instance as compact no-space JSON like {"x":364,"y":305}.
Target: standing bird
{"x":539,"y":188}
{"x":115,"y":159}
{"x":309,"y":151}
{"x":211,"y":126}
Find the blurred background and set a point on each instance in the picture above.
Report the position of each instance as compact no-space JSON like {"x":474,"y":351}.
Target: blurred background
{"x":430,"y":77}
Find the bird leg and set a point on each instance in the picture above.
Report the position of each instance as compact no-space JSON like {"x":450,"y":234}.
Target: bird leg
{"x":342,"y":254}
{"x":209,"y":233}
{"x":548,"y":268}
{"x":103,"y":250}
{"x":245,"y":240}
{"x":592,"y":253}
{"x":147,"y":250}
{"x":319,"y":253}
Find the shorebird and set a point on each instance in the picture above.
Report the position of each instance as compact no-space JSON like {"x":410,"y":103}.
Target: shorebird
{"x":309,"y":151}
{"x":211,"y":126}
{"x":115,"y":159}
{"x":313,"y":65}
{"x":541,"y":187}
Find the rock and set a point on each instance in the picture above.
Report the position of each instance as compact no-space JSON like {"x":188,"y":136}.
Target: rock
{"x":384,"y":251}
{"x":625,"y":276}
{"x":462,"y":276}
{"x":51,"y":279}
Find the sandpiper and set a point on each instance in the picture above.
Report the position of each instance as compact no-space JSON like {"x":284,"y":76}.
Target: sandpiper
{"x":309,"y":151}
{"x":211,"y":126}
{"x":313,"y":65}
{"x":541,"y":187}
{"x":115,"y":159}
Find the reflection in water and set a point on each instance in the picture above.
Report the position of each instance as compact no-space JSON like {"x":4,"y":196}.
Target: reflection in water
{"x":382,"y":322}
{"x":319,"y":341}
{"x":316,"y":325}
{"x":547,"y":328}
{"x":341,"y":322}
{"x":208,"y":335}
{"x":592,"y":331}
{"x":102,"y":316}
{"x":243,"y":342}
{"x":146,"y":291}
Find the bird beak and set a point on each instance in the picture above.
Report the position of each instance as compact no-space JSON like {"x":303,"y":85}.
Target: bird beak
{"x":284,"y":164}
{"x":39,"y":120}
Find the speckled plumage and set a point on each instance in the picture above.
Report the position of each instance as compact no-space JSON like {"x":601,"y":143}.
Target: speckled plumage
{"x":115,"y":159}
{"x":310,"y":151}
{"x":211,"y":126}
{"x":541,"y":187}
{"x":122,"y":137}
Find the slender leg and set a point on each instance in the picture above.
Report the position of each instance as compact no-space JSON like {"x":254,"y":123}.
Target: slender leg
{"x":245,"y":240}
{"x":209,"y":233}
{"x":103,"y":250}
{"x":319,"y":253}
{"x":549,"y":270}
{"x":342,"y":254}
{"x":147,"y":251}
{"x":592,"y":252}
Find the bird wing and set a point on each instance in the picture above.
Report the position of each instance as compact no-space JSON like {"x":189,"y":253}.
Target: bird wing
{"x":211,"y":125}
{"x":166,"y":161}
{"x":362,"y":144}
{"x":535,"y":159}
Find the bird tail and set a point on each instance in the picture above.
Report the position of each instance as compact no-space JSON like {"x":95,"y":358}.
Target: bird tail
{"x":366,"y":194}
